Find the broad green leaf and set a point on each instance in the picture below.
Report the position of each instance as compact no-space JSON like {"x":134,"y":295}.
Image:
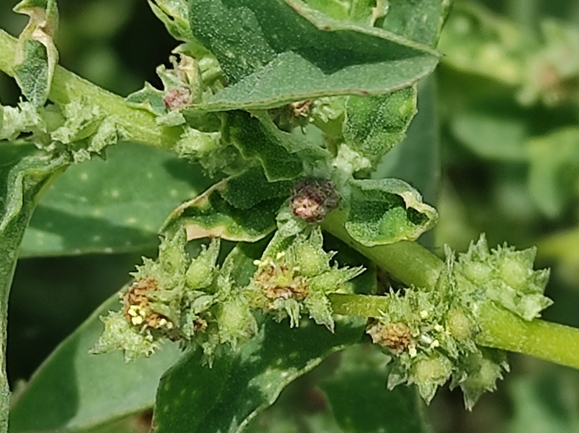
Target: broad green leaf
{"x":493,"y":132}
{"x":21,"y":184}
{"x":376,"y":124}
{"x":416,"y":160}
{"x":554,"y":169}
{"x":255,"y":140}
{"x":113,"y":205}
{"x":474,"y":40}
{"x":418,"y":22}
{"x":74,"y":390}
{"x":363,"y":12}
{"x":361,"y":378}
{"x":275,"y":51}
{"x":225,"y":397}
{"x":252,"y":187}
{"x":175,"y":15}
{"x":210,"y":214}
{"x":384,"y":211}
{"x":36,"y":56}
{"x":545,"y":404}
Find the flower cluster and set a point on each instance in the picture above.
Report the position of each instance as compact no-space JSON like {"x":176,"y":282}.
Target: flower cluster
{"x":298,"y":279}
{"x":430,"y":335}
{"x":196,"y":301}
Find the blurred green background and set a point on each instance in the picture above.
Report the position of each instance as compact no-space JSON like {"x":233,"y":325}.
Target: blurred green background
{"x":508,"y":103}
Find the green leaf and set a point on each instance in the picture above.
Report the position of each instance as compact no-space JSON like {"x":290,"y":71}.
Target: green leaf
{"x":275,"y":51}
{"x":36,"y":56}
{"x":544,"y":404}
{"x":210,"y":214}
{"x":111,"y":206}
{"x":384,"y":211}
{"x":416,"y":160}
{"x":75,"y":390}
{"x":227,"y":396}
{"x":148,"y":98}
{"x":493,"y":132}
{"x":257,"y":139}
{"x":554,"y":170}
{"x":361,"y":378}
{"x":20,"y":184}
{"x":477,"y":41}
{"x":175,"y":15}
{"x":252,"y":187}
{"x":418,"y":22}
{"x":375,"y":125}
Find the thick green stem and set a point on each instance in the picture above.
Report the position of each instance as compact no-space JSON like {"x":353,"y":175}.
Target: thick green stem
{"x":408,"y":262}
{"x":500,"y":329}
{"x":138,"y":125}
{"x":412,"y":264}
{"x":545,"y":340}
{"x":358,"y":305}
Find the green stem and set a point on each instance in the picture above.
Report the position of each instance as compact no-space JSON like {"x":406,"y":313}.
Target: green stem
{"x":139,"y":126}
{"x":358,"y":305}
{"x":500,"y":329}
{"x":545,"y":340}
{"x":412,"y":264}
{"x":408,"y":262}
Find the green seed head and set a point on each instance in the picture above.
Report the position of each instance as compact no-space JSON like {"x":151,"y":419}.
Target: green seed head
{"x":458,"y":324}
{"x":514,"y":272}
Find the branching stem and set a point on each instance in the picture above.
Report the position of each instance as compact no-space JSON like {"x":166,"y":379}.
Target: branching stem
{"x":138,"y":125}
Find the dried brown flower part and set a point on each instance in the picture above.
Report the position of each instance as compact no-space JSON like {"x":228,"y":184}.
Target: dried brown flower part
{"x":394,"y":336}
{"x":301,"y":108}
{"x":312,"y":199}
{"x":200,"y":324}
{"x":278,"y":281}
{"x":136,"y":306}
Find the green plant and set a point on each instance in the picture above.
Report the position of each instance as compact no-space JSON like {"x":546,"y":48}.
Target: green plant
{"x":300,"y":212}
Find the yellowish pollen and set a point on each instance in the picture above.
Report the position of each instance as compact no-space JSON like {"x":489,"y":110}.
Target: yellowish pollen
{"x":163,"y":322}
{"x":435,"y":343}
{"x":280,"y":255}
{"x":169,"y":325}
{"x":438,"y":328}
{"x":137,"y":320}
{"x":423,"y":314}
{"x":412,"y":351}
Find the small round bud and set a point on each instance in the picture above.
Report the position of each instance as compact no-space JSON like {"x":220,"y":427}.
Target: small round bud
{"x":313,"y":198}
{"x":311,"y":260}
{"x":477,"y":272}
{"x":458,"y":324}
{"x":431,"y":372}
{"x":514,"y":272}
{"x":235,"y":320}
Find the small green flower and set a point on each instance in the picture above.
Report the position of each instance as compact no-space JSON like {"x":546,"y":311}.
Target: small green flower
{"x":430,"y":334}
